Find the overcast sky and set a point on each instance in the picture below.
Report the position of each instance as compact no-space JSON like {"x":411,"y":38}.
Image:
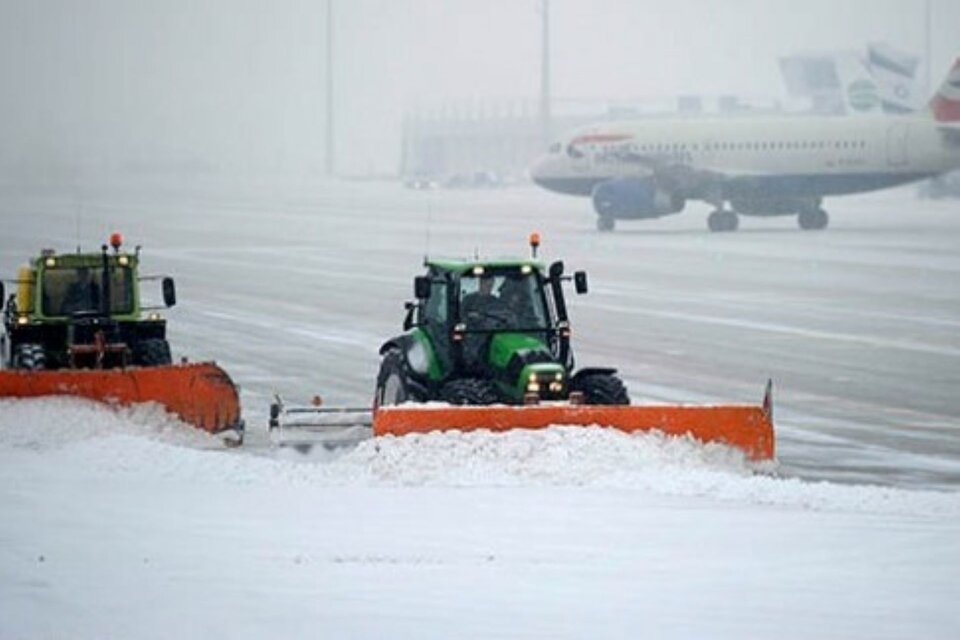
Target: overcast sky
{"x":239,"y":84}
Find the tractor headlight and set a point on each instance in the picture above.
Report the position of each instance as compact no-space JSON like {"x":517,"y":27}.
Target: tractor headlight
{"x":51,"y":262}
{"x":556,"y":387}
{"x":123,"y":261}
{"x":153,"y":316}
{"x":533,"y":387}
{"x":558,"y":377}
{"x":525,"y":269}
{"x":532,"y":377}
{"x":22,"y":320}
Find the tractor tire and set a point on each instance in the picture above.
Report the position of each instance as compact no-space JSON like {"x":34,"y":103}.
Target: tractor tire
{"x":602,"y":388}
{"x":393,"y":386}
{"x":154,"y":352}
{"x":29,"y":357}
{"x":469,"y":391}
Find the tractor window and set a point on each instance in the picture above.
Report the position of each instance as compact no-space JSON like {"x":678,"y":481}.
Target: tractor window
{"x":503,"y":300}
{"x":70,"y":290}
{"x":435,"y":311}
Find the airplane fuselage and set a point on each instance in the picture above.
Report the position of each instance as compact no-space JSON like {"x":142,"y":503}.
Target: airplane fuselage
{"x":758,"y":158}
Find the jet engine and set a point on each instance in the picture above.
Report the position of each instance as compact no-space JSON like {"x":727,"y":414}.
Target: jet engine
{"x":634,"y":198}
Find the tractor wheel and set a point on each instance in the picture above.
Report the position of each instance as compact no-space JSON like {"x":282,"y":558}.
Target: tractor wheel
{"x":154,"y":352}
{"x":602,"y":388}
{"x":30,"y":357}
{"x":469,"y":391}
{"x":392,"y":385}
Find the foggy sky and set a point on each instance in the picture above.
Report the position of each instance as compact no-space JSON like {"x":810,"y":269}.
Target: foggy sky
{"x":238,"y":85}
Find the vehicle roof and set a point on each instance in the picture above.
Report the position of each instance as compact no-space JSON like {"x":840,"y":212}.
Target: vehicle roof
{"x":92,"y":260}
{"x":462,"y":265}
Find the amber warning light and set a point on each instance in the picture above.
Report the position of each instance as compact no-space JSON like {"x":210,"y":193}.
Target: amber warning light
{"x":534,"y":243}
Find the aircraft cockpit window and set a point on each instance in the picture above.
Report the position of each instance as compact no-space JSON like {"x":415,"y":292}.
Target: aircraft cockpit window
{"x":573,"y":152}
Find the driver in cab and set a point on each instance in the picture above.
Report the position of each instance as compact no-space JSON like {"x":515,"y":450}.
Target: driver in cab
{"x":482,"y":307}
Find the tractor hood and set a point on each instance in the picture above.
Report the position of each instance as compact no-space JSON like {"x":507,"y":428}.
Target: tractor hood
{"x":523,"y":360}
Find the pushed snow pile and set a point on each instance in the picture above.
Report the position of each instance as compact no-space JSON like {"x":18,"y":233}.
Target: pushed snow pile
{"x":591,"y":456}
{"x":71,"y":438}
{"x":48,"y":423}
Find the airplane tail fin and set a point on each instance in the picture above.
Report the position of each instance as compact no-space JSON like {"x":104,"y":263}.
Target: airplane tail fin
{"x":945,"y":105}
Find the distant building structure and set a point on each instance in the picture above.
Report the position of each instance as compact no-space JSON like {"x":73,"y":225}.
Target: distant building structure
{"x":452,"y":143}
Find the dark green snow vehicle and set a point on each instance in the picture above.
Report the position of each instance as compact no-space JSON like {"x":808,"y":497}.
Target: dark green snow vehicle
{"x":485,"y":332}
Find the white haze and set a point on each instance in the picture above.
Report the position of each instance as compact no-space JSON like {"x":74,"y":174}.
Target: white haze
{"x":237,"y":87}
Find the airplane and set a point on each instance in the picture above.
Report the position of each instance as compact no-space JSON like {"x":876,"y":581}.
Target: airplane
{"x":764,"y":166}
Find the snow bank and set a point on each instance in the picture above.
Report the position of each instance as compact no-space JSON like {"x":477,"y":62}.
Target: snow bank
{"x":89,"y":439}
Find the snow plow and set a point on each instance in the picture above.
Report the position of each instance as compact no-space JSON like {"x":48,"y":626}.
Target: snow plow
{"x":487,"y":345}
{"x":76,"y":326}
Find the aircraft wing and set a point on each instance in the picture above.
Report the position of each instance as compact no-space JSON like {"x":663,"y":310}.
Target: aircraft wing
{"x":950,"y":133}
{"x":671,"y":172}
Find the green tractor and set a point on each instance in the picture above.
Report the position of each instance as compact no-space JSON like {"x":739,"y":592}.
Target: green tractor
{"x":487,"y":332}
{"x":83,"y":311}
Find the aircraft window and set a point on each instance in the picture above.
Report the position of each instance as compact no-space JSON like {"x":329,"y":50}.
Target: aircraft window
{"x":573,"y":152}
{"x":556,"y":147}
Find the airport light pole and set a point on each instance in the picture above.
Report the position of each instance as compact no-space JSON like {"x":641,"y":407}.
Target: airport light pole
{"x":329,"y":139}
{"x":929,"y":53}
{"x":545,"y":73}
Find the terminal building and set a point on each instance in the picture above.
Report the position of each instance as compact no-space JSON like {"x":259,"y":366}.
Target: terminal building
{"x":488,"y":144}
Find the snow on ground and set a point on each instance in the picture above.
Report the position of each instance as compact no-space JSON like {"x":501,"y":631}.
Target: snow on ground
{"x":127,"y":524}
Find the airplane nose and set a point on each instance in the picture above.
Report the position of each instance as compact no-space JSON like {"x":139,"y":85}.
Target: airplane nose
{"x":539,"y":170}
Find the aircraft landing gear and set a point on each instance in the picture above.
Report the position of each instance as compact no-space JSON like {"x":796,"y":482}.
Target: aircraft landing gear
{"x":606,"y":223}
{"x":723,"y":220}
{"x":813,"y":219}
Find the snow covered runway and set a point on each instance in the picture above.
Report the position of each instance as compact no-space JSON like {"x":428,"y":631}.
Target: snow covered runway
{"x":124,"y":526}
{"x":128,"y":525}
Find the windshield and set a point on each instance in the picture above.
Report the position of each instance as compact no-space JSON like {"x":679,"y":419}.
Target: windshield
{"x":502,"y":301}
{"x":70,"y":290}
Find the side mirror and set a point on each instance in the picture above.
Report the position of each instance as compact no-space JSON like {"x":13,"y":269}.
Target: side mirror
{"x":556,"y":269}
{"x":421,"y":287}
{"x":580,"y":281}
{"x":3,"y":296}
{"x":169,"y":292}
{"x":408,"y":320}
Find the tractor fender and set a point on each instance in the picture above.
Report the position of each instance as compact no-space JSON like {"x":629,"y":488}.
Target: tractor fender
{"x":589,"y":371}
{"x":415,"y":364}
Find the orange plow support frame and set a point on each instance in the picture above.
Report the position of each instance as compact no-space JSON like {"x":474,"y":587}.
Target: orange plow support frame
{"x":748,"y":428}
{"x":201,"y":394}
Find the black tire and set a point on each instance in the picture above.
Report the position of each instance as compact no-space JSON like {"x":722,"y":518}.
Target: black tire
{"x":723,"y":220}
{"x":602,"y":388}
{"x":469,"y":391}
{"x":393,"y":385}
{"x":153,"y":352}
{"x":813,"y":219}
{"x":606,"y":223}
{"x":30,"y":357}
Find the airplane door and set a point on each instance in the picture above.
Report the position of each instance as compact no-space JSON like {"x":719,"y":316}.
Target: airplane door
{"x":897,"y":144}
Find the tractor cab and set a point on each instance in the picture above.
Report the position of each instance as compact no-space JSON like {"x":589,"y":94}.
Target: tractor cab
{"x":488,"y":331}
{"x":83,"y":310}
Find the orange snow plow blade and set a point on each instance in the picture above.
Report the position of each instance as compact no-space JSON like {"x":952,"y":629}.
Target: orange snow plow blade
{"x":748,"y":428}
{"x":200,"y":394}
